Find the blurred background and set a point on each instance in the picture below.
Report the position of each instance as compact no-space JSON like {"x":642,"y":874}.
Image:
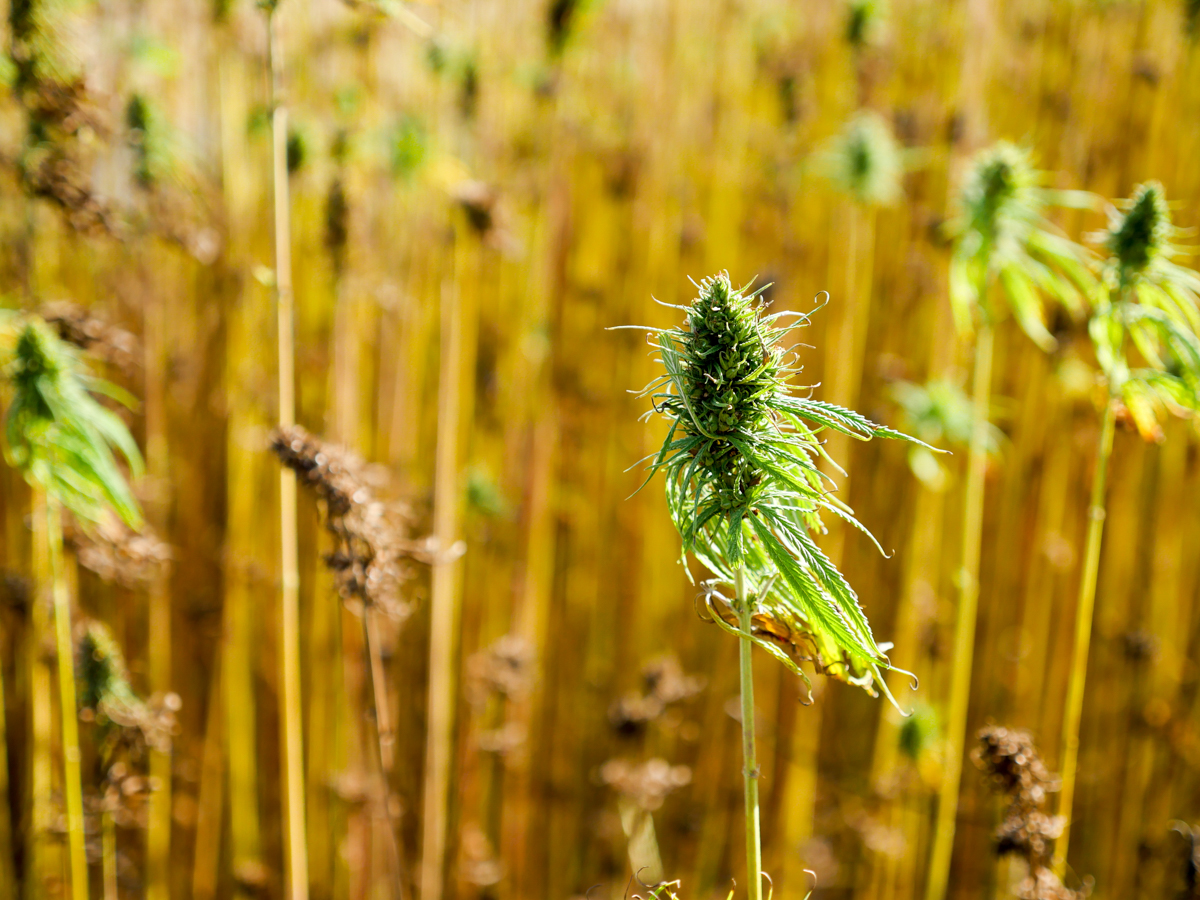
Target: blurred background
{"x":478,"y":189}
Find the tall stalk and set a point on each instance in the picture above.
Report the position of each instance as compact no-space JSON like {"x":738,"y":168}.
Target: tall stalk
{"x":964,"y":626}
{"x":1083,"y":629}
{"x":68,"y":708}
{"x":749,"y":750}
{"x":291,"y":719}
{"x":1155,"y":303}
{"x":1004,"y":246}
{"x":443,"y":601}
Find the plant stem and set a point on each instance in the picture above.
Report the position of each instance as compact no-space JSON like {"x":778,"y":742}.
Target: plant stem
{"x":444,"y":600}
{"x":964,"y":628}
{"x":108,"y":838}
{"x":386,"y":739}
{"x":749,"y":750}
{"x":73,"y":784}
{"x":1083,"y":631}
{"x":291,"y":721}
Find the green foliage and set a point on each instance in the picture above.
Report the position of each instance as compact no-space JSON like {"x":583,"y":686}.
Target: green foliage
{"x":409,"y":146}
{"x":1002,"y":239}
{"x":483,"y":494}
{"x":865,"y":21}
{"x":742,"y":482}
{"x":864,"y":161}
{"x":297,"y":150}
{"x":1153,"y":301}
{"x":102,"y":676}
{"x":59,"y":436}
{"x":153,"y":144}
{"x":920,"y":732}
{"x":938,"y":412}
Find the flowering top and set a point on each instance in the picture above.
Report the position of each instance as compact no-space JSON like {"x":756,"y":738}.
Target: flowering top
{"x":59,"y":436}
{"x":1156,"y":303}
{"x":864,"y":161}
{"x":743,"y":485}
{"x":1001,"y":235}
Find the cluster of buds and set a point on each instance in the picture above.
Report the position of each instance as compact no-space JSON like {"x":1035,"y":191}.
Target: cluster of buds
{"x":79,"y":326}
{"x":107,"y":699}
{"x":646,"y":784}
{"x":664,"y":684}
{"x":506,"y":667}
{"x":117,"y":553}
{"x":369,"y":559}
{"x":1015,"y":769}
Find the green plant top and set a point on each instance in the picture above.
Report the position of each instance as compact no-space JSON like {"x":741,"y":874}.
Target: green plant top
{"x":865,"y":161}
{"x":1001,"y":236}
{"x":58,"y":435}
{"x":742,"y":481}
{"x":1156,"y":302}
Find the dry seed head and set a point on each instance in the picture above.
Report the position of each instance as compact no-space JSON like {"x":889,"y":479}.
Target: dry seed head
{"x":79,"y":326}
{"x":370,"y":555}
{"x":117,"y":553}
{"x":646,"y":784}
{"x":506,"y":668}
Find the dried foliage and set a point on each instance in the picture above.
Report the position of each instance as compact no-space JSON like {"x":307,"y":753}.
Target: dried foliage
{"x":1010,"y":761}
{"x":664,"y":683}
{"x":117,"y":553}
{"x":505,"y":668}
{"x":81,"y":327}
{"x":371,"y":551}
{"x":646,"y":784}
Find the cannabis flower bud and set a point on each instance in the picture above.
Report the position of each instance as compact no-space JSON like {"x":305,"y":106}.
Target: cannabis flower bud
{"x":743,"y":487}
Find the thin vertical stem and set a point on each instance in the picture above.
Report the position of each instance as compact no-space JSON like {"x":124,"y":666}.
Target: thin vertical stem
{"x":41,"y":713}
{"x":291,"y":720}
{"x":68,"y":709}
{"x":749,"y":748}
{"x":386,"y":739}
{"x":964,"y":628}
{"x":1083,"y":631}
{"x":443,"y":602}
{"x":108,"y":838}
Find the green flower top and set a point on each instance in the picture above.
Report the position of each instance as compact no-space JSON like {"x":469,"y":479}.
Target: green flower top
{"x":743,"y":485}
{"x":1153,"y":301}
{"x":865,"y":161}
{"x":1002,"y":237}
{"x":59,"y":436}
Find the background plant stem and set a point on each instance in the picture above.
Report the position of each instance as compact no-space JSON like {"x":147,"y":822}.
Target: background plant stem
{"x":73,"y":785}
{"x":964,"y":627}
{"x":289,"y":633}
{"x":749,"y":750}
{"x":1083,"y":631}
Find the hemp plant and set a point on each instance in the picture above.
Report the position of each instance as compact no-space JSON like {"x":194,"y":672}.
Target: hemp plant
{"x":62,"y":440}
{"x":1004,"y":250}
{"x":1150,"y":301}
{"x":745,"y":493}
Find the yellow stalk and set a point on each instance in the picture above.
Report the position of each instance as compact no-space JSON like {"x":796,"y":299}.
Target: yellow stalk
{"x":444,"y":601}
{"x":158,"y":831}
{"x":1083,"y":631}
{"x":68,"y":709}
{"x":290,"y":719}
{"x":108,"y":840}
{"x":964,"y":627}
